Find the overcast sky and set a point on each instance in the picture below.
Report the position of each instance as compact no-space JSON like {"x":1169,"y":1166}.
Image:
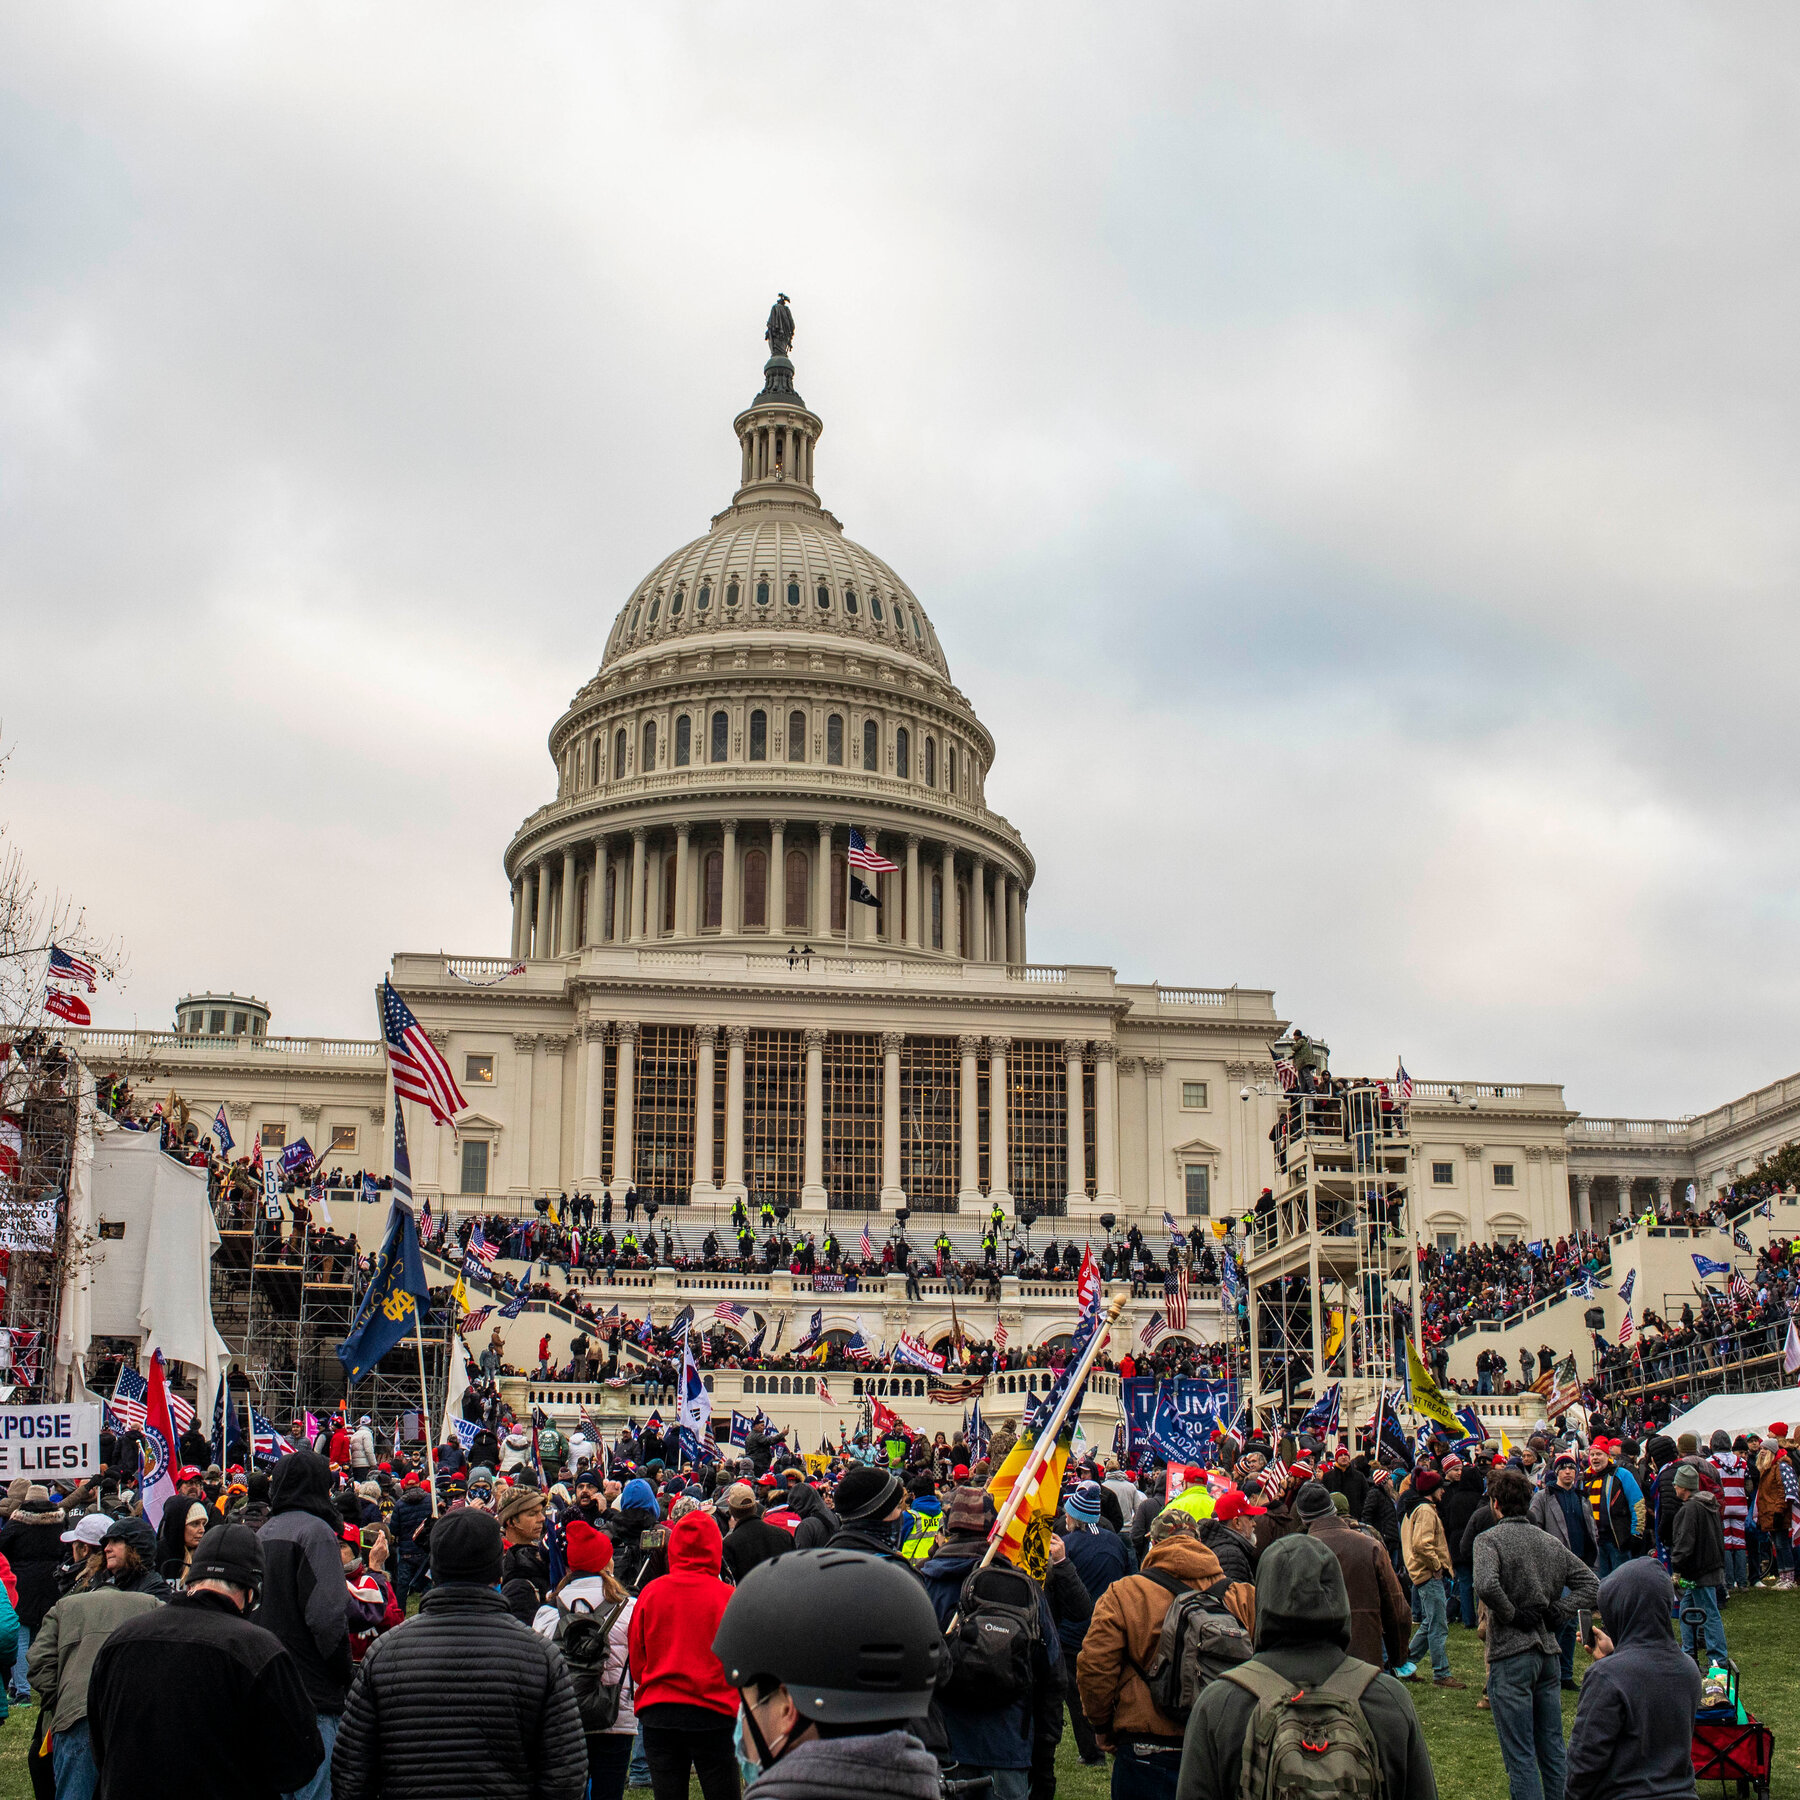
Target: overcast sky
{"x":1349,"y":454}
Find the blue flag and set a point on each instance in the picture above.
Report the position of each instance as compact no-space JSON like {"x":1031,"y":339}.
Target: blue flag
{"x":740,"y":1428}
{"x":1468,"y":1419}
{"x":222,"y":1131}
{"x":516,"y":1304}
{"x":1626,"y":1286}
{"x":225,"y":1428}
{"x":1707,"y":1266}
{"x":396,"y":1296}
{"x":1322,"y":1416}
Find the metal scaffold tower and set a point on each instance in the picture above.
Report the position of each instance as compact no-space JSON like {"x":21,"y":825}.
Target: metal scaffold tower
{"x":1327,"y":1248}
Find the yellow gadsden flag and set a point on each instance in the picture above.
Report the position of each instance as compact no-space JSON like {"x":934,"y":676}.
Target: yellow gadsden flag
{"x":1425,"y":1396}
{"x":1027,"y":1541}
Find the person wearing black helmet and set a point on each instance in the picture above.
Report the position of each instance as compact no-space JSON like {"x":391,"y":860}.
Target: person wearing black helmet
{"x":871,"y":1503}
{"x":193,"y":1698}
{"x":834,"y":1653}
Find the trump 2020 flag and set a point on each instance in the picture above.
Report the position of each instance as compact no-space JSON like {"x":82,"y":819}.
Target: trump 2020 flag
{"x":396,"y":1295}
{"x":222,"y":1131}
{"x":1707,"y":1266}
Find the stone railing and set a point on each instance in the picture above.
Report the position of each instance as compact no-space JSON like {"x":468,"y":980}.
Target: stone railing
{"x":93,"y":1043}
{"x":1632,"y":1131}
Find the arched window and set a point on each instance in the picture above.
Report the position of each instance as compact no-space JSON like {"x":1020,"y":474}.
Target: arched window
{"x":619,"y":747}
{"x":937,"y":912}
{"x":756,"y":889}
{"x":950,"y":758}
{"x":850,"y":601}
{"x":580,"y":766}
{"x":902,"y":752}
{"x":675,"y":604}
{"x":900,"y":615}
{"x":871,"y":745}
{"x":796,"y":744}
{"x":834,"y":740}
{"x":731,"y":592}
{"x":668,"y":905}
{"x":721,"y":736}
{"x":703,"y":599}
{"x":837,"y":890}
{"x":612,"y":889}
{"x":824,"y":598}
{"x":931,"y":762}
{"x":794,"y":914}
{"x":655,"y":607}
{"x":684,"y":741}
{"x":712,"y":906}
{"x":597,"y":760}
{"x":759,"y":736}
{"x":793,"y":595}
{"x":875,"y":606}
{"x":649,"y":761}
{"x":762,"y":593}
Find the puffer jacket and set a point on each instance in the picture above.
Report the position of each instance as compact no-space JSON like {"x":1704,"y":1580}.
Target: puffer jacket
{"x":32,"y":1543}
{"x":462,"y":1699}
{"x":1127,"y":1622}
{"x":1236,"y":1553}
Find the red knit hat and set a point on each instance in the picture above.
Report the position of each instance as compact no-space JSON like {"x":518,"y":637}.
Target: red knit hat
{"x":590,"y":1552}
{"x":1778,"y":1429}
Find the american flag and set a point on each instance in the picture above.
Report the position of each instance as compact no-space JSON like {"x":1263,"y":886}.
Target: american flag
{"x":864,"y":856}
{"x":1286,"y":1074}
{"x":479,"y":1248}
{"x":1275,"y":1476}
{"x":1176,"y":1237}
{"x":130,"y":1392}
{"x":1154,"y":1327}
{"x":825,"y":1393}
{"x":728,"y":1312}
{"x":1627,"y":1329}
{"x":265,"y":1440}
{"x":76,"y":970}
{"x":868,"y":1243}
{"x":180,"y":1412}
{"x":999,"y":1334}
{"x":1403,"y":1082}
{"x":1740,"y":1288}
{"x":420,"y":1072}
{"x":476,"y":1319}
{"x":587,"y":1428}
{"x":1175,"y":1293}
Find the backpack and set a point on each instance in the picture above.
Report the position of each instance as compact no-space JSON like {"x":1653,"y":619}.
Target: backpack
{"x":992,"y":1640}
{"x":583,"y":1636}
{"x":1199,"y":1641}
{"x":1309,"y":1743}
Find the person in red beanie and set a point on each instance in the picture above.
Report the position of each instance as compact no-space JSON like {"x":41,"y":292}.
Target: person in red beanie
{"x":591,"y":1586}
{"x":686,"y":1706}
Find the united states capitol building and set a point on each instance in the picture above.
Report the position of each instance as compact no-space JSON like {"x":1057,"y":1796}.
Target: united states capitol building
{"x":696,"y":1001}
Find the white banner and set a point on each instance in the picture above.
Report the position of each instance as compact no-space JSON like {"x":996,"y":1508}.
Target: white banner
{"x":49,"y":1443}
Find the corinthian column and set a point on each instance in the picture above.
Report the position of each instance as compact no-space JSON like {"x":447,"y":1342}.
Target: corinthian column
{"x":593,"y":1049}
{"x":892,"y":1195}
{"x":732,"y":921}
{"x":968,"y":1186}
{"x":812,"y":1191}
{"x":1073,"y":1051}
{"x":915,"y":930}
{"x":1106,"y":1126}
{"x":624,"y":1148}
{"x":999,"y":1144}
{"x":682,"y":859}
{"x":541,"y":946}
{"x":638,"y":834}
{"x":706,"y":1038}
{"x":571,"y":909}
{"x":734,"y":1112}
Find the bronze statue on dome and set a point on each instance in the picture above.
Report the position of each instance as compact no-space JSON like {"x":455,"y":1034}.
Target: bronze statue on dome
{"x":780,"y":330}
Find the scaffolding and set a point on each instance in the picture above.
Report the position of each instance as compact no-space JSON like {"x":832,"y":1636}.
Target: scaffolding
{"x":43,"y":1099}
{"x":1326,"y":1252}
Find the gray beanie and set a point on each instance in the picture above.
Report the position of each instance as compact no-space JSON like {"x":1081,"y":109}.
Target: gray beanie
{"x":1313,"y":1503}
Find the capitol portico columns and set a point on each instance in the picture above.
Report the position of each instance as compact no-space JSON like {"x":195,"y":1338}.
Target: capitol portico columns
{"x":624,"y":1151}
{"x":540,"y":943}
{"x":1015,"y":925}
{"x":892,"y":1194}
{"x":1584,"y":1201}
{"x":518,"y":906}
{"x":914,"y":934}
{"x":775,"y":883}
{"x":551,"y":1108}
{"x":812,"y":1173}
{"x":683,"y":829}
{"x":593,"y":1047}
{"x":570,"y":934}
{"x":1073,"y":1051}
{"x":977,"y":950}
{"x":734,"y":1112}
{"x":733,"y":918}
{"x":952,"y":945}
{"x":1155,"y":1183}
{"x":999,"y":1144}
{"x":638,"y":834}
{"x":1106,"y":1134}
{"x":706,"y":1039}
{"x":969,"y":1182}
{"x":1002,"y":935}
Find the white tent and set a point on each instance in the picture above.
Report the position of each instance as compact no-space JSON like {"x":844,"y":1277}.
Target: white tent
{"x":1734,"y":1413}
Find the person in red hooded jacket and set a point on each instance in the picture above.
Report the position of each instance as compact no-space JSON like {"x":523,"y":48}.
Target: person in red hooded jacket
{"x":684,"y":1703}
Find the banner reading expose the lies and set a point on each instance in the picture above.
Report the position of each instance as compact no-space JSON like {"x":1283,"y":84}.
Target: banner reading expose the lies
{"x":49,"y":1442}
{"x":1176,"y":1418}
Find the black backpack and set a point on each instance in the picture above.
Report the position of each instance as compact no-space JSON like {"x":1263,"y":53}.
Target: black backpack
{"x":992,"y":1640}
{"x":1199,"y":1640}
{"x":583,"y":1634}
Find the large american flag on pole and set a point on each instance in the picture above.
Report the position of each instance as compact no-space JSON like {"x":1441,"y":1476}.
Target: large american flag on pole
{"x":420,"y":1072}
{"x":1154,"y":1327}
{"x":1627,"y":1328}
{"x":1175,"y":1295}
{"x":864,"y":855}
{"x":130,"y":1392}
{"x":76,"y":970}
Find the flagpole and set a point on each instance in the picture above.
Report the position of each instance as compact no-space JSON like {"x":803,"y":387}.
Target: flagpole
{"x":1026,"y":1483}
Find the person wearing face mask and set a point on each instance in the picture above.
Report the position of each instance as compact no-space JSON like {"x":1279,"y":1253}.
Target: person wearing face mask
{"x":871,"y":1510}
{"x":834,"y":1654}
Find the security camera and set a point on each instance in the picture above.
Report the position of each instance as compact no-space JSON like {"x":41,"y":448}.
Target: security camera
{"x":1243,"y":1093}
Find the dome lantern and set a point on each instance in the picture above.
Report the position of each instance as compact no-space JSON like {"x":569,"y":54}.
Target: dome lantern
{"x":777,"y":433}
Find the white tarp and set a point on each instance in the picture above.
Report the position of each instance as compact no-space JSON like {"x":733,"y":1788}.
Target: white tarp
{"x":155,"y":1282}
{"x":1737,"y":1412}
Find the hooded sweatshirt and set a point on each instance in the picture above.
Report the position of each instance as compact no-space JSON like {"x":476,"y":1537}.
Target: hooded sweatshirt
{"x":1634,"y":1723}
{"x":1302,"y":1633}
{"x":672,"y":1630}
{"x":891,"y":1764}
{"x":305,"y":1601}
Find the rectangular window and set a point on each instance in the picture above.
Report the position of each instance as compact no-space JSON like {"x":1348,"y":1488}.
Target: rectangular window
{"x":684,"y":741}
{"x":274,"y":1137}
{"x":663,"y":1108}
{"x":215,"y":1024}
{"x":834,"y":740}
{"x":1193,"y":1096}
{"x":852,"y":1120}
{"x":1503,"y":1175}
{"x":1199,"y":1191}
{"x":774,"y":1115}
{"x":474,"y":1166}
{"x":343,"y":1140}
{"x":1443,"y":1174}
{"x":930,"y":1105}
{"x":1037,"y":1117}
{"x":478,"y":1071}
{"x":1446,"y":1243}
{"x":239,"y":1023}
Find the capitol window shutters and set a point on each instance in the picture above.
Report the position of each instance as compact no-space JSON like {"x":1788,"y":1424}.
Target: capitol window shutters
{"x":759,"y":736}
{"x":721,"y":737}
{"x":796,"y":736}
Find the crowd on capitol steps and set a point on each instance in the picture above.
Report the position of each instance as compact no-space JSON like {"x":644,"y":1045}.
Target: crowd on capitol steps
{"x":573,"y":1619}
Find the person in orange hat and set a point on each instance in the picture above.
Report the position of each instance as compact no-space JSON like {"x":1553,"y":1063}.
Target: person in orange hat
{"x":591,"y":1587}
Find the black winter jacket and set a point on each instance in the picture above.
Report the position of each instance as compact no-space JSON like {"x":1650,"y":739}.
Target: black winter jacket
{"x":461,"y":1699}
{"x":194,"y":1699}
{"x":1457,"y":1508}
{"x":1379,"y":1510}
{"x":1236,"y":1553}
{"x":32,"y":1543}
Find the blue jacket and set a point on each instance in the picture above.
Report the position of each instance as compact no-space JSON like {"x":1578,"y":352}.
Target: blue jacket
{"x":1099,"y":1558}
{"x":1000,"y":1739}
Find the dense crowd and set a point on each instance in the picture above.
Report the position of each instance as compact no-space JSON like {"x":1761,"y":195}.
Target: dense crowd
{"x":1484,"y":1282}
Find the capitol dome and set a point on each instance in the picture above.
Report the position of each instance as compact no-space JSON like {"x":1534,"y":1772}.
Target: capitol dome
{"x":772,"y":719}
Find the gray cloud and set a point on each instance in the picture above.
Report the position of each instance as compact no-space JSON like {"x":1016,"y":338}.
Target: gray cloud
{"x":1367,"y":440}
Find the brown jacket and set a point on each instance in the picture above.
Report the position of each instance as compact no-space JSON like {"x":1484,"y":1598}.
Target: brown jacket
{"x":1771,"y":1496}
{"x":1127,"y":1621}
{"x":1378,"y":1610}
{"x":1423,"y":1544}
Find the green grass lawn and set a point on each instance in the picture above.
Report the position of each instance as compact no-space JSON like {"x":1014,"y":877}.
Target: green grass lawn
{"x":1763,"y":1629}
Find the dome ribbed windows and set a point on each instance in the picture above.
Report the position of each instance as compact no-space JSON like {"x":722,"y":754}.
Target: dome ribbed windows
{"x":649,"y":761}
{"x":759,"y":736}
{"x":675,"y":605}
{"x":731,"y":593}
{"x":721,"y":737}
{"x":703,"y":599}
{"x":824,"y":598}
{"x":620,"y":745}
{"x":850,"y":601}
{"x":871,"y":745}
{"x":655,"y":607}
{"x":684,"y":741}
{"x":875,"y":606}
{"x":902,"y":753}
{"x":796,"y":737}
{"x":762,"y":593}
{"x":931,"y":762}
{"x":793,"y":592}
{"x":834,"y":740}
